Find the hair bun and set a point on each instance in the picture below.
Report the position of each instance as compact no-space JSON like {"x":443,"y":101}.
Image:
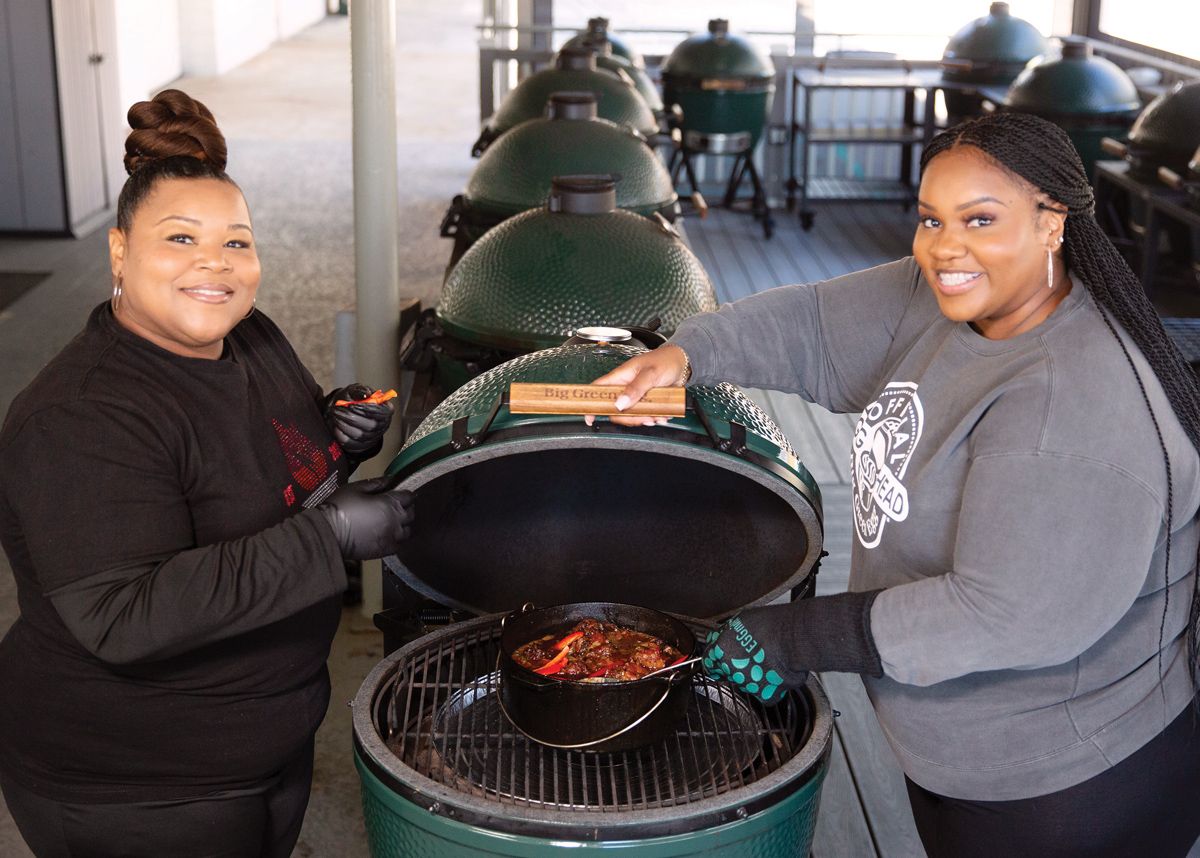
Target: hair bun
{"x":172,"y":123}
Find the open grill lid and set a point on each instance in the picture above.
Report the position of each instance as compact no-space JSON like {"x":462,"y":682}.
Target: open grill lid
{"x":527,"y":283}
{"x":703,"y":516}
{"x":992,"y":49}
{"x":1076,"y":84}
{"x":515,"y":173}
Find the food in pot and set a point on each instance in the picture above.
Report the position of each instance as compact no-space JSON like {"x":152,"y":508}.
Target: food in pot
{"x":596,"y":651}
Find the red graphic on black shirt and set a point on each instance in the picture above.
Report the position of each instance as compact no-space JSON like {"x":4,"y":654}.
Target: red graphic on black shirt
{"x":305,"y":459}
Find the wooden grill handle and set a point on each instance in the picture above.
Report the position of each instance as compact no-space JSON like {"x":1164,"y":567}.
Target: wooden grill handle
{"x":551,"y":398}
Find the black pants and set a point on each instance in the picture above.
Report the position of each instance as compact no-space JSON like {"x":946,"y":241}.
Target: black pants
{"x":1146,"y":805}
{"x":257,"y":822}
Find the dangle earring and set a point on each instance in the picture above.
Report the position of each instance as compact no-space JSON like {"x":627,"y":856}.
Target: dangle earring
{"x":1050,"y":264}
{"x":118,"y":291}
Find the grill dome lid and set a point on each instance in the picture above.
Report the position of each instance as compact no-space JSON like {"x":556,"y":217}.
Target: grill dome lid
{"x":597,"y":35}
{"x":606,"y":59}
{"x":1075,"y":84}
{"x":544,"y":508}
{"x":617,"y":99}
{"x":996,"y":46}
{"x":717,"y":55}
{"x":516,"y":171}
{"x":578,"y":261}
{"x":1167,"y":132}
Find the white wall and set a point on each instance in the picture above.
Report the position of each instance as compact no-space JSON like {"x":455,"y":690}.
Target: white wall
{"x":148,"y":49}
{"x":217,"y":35}
{"x":292,"y":16}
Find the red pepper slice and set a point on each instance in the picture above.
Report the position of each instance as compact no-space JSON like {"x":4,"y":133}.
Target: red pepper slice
{"x":602,"y":671}
{"x":554,"y":665}
{"x":377,"y":398}
{"x":676,"y":661}
{"x":568,"y":640}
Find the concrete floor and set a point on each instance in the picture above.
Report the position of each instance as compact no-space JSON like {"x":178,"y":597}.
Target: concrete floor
{"x":287,"y":117}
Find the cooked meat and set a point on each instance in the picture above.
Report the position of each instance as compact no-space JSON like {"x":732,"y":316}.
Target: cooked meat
{"x":597,"y":651}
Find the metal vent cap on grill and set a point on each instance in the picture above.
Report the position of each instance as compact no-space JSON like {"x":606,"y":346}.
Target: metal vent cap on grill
{"x":703,"y":516}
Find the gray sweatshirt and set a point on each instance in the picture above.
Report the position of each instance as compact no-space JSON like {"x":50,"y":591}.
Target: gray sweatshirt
{"x":1011,"y":496}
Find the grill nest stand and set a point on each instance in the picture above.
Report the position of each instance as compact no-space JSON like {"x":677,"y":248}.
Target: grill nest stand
{"x":738,"y":145}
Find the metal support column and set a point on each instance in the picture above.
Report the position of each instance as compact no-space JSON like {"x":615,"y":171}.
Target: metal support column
{"x":376,"y":218}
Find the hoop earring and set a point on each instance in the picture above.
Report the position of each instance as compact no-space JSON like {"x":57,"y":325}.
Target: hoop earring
{"x":118,"y":291}
{"x":253,"y":301}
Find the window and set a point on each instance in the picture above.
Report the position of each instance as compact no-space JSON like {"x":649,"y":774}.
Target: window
{"x":1166,"y":26}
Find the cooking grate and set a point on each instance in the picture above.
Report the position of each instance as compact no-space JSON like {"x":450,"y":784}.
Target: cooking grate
{"x":443,"y":720}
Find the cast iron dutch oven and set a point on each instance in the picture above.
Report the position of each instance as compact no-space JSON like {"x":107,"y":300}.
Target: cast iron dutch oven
{"x":1165,"y":134}
{"x":989,"y":51}
{"x":515,"y":173}
{"x":1089,"y":97}
{"x":723,"y":87}
{"x":605,"y":716}
{"x":701,"y":517}
{"x":578,"y":260}
{"x":617,"y":98}
{"x":597,"y":33}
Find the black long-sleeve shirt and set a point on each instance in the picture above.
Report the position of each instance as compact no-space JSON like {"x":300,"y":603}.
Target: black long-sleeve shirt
{"x":178,"y":597}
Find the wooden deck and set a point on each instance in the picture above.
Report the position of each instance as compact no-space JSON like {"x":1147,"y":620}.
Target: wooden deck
{"x":864,"y":809}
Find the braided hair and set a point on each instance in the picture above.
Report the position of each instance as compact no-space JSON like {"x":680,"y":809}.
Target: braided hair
{"x":1042,"y":154}
{"x":173,"y":137}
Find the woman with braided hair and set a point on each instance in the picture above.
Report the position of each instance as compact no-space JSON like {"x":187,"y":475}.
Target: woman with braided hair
{"x":175,"y":507}
{"x":1026,"y":481}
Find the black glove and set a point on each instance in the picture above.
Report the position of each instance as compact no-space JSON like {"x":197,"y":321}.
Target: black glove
{"x":762,"y":650}
{"x":357,"y":428}
{"x":369,"y":518}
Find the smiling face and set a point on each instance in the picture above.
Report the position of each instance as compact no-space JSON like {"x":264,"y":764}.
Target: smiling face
{"x":981,"y":243}
{"x":187,"y":266}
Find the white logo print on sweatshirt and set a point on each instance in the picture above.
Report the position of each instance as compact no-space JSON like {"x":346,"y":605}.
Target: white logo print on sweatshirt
{"x":884,"y":439}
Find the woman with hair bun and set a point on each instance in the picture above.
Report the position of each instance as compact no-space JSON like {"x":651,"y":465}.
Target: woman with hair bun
{"x":1023,"y":603}
{"x":175,"y":506}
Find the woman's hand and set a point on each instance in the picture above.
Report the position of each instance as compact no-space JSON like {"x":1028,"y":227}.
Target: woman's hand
{"x":664,"y":366}
{"x":369,"y":518}
{"x":763,"y":650}
{"x":358,"y":428}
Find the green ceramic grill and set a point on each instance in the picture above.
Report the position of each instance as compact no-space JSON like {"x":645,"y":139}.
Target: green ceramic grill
{"x":597,"y":33}
{"x":518,"y":507}
{"x":989,"y":51}
{"x":1089,"y":97}
{"x":515,"y":173}
{"x":1166,"y":133}
{"x":617,"y":97}
{"x":723,"y":87}
{"x":577,"y":261}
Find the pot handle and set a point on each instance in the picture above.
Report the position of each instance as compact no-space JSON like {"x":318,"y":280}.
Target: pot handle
{"x":579,"y":746}
{"x":527,"y":606}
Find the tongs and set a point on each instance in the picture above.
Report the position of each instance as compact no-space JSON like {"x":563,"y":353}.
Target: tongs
{"x":670,"y":667}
